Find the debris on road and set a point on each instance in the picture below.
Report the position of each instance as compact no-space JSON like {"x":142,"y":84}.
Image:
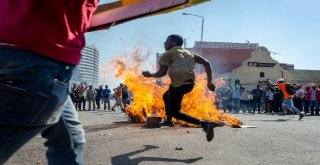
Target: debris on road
{"x":179,"y":148}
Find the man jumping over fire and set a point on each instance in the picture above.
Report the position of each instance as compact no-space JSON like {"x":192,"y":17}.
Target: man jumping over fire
{"x":180,"y":64}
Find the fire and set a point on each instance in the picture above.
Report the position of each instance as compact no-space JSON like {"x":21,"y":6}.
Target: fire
{"x":147,"y":94}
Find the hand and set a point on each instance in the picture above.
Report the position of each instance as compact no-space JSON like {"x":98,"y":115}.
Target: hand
{"x":211,"y":86}
{"x":146,"y":74}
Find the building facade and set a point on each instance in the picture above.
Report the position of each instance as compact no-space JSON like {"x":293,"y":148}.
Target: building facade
{"x":250,"y":63}
{"x":88,"y":69}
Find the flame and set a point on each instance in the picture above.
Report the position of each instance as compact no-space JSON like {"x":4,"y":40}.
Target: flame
{"x":147,"y":94}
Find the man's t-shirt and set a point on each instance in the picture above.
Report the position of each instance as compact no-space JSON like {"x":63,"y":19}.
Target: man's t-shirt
{"x":236,"y":94}
{"x":118,"y":92}
{"x":313,"y":95}
{"x":282,"y":87}
{"x":300,"y":93}
{"x":106,"y":93}
{"x":180,"y":64}
{"x":257,"y":94}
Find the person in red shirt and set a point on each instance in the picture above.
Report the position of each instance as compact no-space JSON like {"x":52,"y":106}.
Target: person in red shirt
{"x":118,"y":97}
{"x":40,"y":44}
{"x":288,"y":98}
{"x":313,"y":97}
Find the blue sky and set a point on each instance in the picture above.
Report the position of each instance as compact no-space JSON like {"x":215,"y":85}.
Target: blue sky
{"x":288,"y":27}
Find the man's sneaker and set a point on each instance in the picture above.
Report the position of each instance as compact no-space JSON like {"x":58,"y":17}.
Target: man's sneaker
{"x":113,"y":109}
{"x":208,"y":129}
{"x":301,"y":116}
{"x":167,"y":123}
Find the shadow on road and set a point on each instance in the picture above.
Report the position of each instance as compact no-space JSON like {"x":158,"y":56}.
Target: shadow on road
{"x":114,"y":125}
{"x":124,"y":159}
{"x":278,"y":120}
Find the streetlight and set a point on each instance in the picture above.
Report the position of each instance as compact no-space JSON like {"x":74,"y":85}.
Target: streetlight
{"x":201,"y":33}
{"x":201,"y":24}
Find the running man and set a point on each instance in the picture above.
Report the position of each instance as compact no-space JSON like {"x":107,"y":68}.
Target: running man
{"x":180,"y":64}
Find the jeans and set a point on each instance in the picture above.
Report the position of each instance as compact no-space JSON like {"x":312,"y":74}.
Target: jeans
{"x":125,"y":102}
{"x":289,"y":104}
{"x":314,"y":107}
{"x":236,"y":104}
{"x":256,"y":103}
{"x":35,"y":99}
{"x":98,"y":100}
{"x":91,"y":101}
{"x":106,"y":101}
{"x":244,"y":104}
{"x":172,"y":100}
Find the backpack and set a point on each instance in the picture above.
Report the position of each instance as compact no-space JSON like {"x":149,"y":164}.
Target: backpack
{"x":291,"y":90}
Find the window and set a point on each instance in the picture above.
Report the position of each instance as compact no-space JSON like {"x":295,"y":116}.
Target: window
{"x":261,"y":74}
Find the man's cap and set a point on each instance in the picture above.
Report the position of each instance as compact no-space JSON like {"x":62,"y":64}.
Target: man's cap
{"x":280,"y":80}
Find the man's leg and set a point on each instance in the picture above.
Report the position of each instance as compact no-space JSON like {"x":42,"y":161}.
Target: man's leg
{"x":233,"y":103}
{"x":165,"y":100}
{"x":306,"y":106}
{"x":84,"y":104}
{"x":224,"y":105}
{"x":254,"y":105}
{"x":124,"y":102}
{"x":317,"y":107}
{"x":174,"y":99}
{"x":13,"y":138}
{"x":238,"y":105}
{"x":104,"y":103}
{"x":89,"y":103}
{"x":98,"y":103}
{"x":79,"y":105}
{"x":66,"y":139}
{"x":311,"y":106}
{"x":259,"y":105}
{"x":120,"y":102}
{"x":38,"y":88}
{"x":108,"y":101}
{"x":290,"y":106}
{"x":93,"y":104}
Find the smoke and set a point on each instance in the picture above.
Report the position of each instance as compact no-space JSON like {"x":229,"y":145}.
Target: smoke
{"x":125,"y":63}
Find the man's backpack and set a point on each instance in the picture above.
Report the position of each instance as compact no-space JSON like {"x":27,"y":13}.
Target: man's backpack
{"x":291,"y":90}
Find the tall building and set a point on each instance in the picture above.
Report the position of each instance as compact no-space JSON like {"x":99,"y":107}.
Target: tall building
{"x":88,"y":70}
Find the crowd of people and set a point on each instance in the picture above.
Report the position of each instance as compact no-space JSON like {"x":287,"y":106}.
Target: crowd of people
{"x":82,"y":94}
{"x":267,"y":99}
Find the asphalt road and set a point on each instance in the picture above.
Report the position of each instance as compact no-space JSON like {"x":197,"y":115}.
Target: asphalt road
{"x":112,"y":140}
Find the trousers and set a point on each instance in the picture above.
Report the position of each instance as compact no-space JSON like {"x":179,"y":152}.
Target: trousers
{"x":172,"y":100}
{"x":34,"y":94}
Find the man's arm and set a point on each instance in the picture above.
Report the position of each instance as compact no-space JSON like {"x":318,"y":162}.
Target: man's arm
{"x":230,"y":85}
{"x":160,"y":73}
{"x":270,"y":83}
{"x":271,"y":87}
{"x":207,"y":67}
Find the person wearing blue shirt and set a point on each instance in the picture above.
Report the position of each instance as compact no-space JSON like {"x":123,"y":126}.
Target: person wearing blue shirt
{"x":106,"y":94}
